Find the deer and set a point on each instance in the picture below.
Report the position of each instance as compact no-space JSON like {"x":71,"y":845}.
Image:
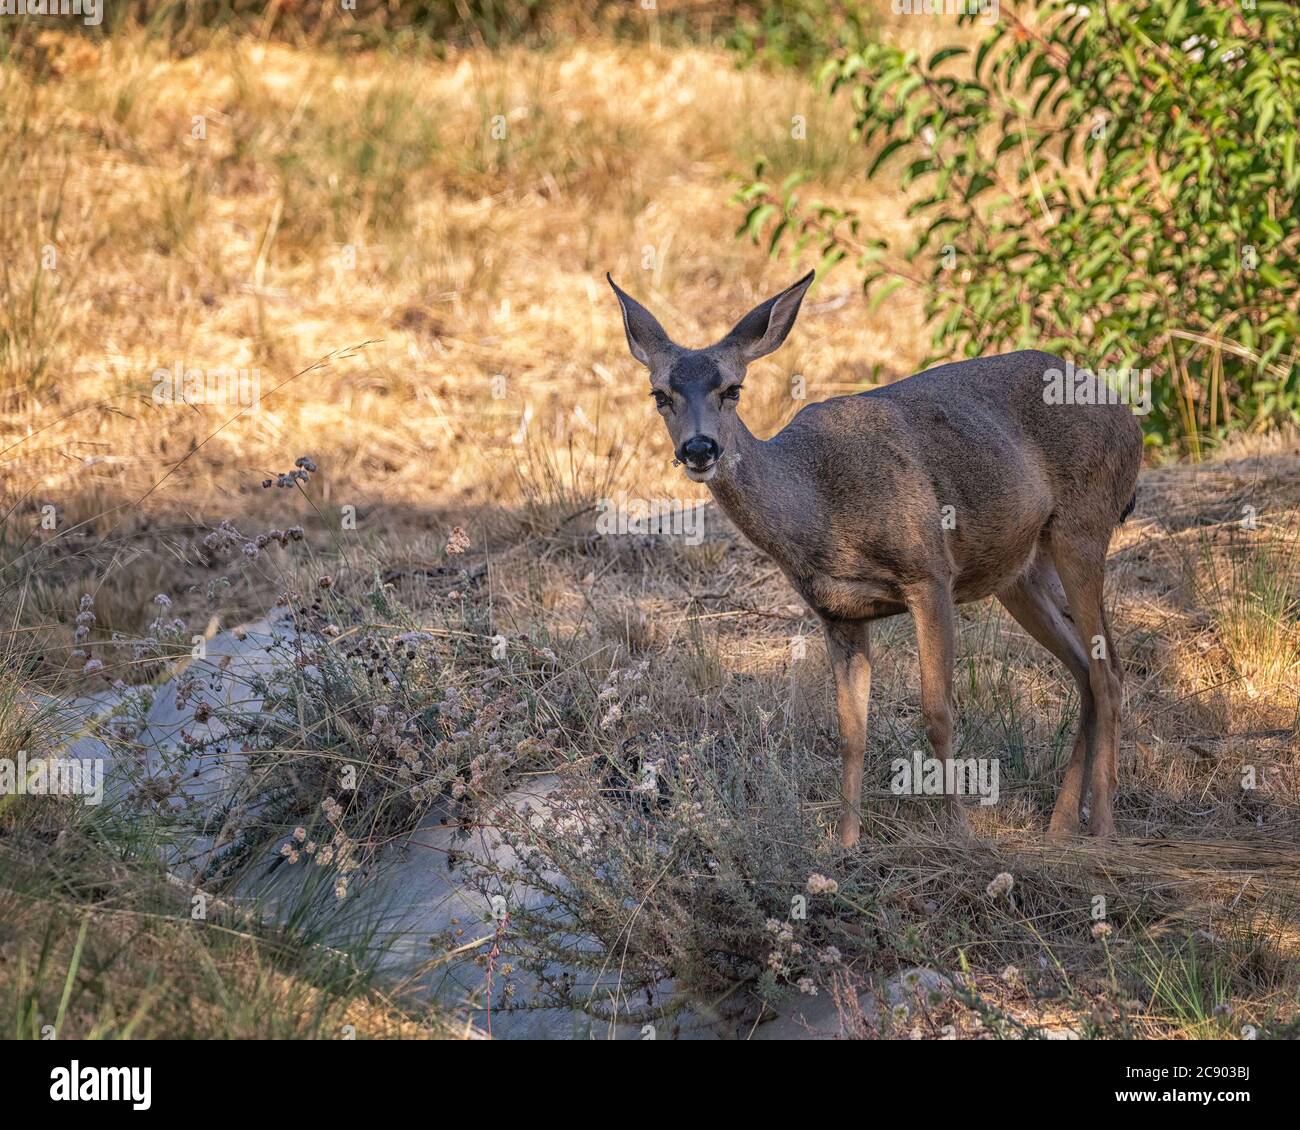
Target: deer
{"x":964,"y":481}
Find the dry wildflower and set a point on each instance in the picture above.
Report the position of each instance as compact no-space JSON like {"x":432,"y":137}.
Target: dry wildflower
{"x":85,"y":618}
{"x":457,"y":541}
{"x":300,"y":834}
{"x":1010,"y":975}
{"x":1101,"y":930}
{"x":341,"y":888}
{"x":820,"y":885}
{"x":1001,"y":885}
{"x":303,"y":469}
{"x":224,"y":536}
{"x":805,"y":985}
{"x":648,"y":782}
{"x":92,"y":665}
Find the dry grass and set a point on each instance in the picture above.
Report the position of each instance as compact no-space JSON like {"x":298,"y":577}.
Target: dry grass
{"x":334,"y":202}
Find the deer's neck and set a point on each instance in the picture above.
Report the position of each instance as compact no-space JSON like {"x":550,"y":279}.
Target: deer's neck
{"x":761,"y":494}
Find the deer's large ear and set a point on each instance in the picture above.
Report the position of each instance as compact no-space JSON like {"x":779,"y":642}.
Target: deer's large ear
{"x":645,"y":336}
{"x":765,"y":327}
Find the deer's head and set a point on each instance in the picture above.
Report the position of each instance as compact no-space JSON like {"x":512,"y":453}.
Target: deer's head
{"x":697,"y":390}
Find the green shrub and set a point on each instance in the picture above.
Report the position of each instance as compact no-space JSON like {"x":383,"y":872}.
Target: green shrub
{"x":1113,"y":182}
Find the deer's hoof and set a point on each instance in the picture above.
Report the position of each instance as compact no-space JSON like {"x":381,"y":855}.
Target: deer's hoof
{"x":1062,"y":827}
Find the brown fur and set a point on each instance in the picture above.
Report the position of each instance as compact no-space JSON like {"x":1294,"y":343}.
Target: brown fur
{"x":849,"y":500}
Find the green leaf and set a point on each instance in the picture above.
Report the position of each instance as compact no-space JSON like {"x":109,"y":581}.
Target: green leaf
{"x":882,"y":294}
{"x":757,"y":217}
{"x":1272,"y":276}
{"x":944,"y":54}
{"x":889,"y":148}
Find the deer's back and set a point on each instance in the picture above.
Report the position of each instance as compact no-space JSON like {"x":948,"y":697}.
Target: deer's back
{"x":971,"y":449}
{"x":1087,"y":453}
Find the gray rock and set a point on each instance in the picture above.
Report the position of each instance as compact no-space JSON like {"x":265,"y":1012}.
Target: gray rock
{"x":821,"y":1018}
{"x":915,"y":983}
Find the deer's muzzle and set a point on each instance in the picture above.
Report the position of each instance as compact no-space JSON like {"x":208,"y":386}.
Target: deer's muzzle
{"x":699,"y":453}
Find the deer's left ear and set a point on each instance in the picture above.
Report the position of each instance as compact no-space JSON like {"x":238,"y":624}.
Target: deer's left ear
{"x":645,"y":336}
{"x":765,"y":327}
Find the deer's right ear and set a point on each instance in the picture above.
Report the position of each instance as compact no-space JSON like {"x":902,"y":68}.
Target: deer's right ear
{"x":645,"y":336}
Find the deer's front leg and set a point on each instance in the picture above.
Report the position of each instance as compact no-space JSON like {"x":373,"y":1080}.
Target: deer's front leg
{"x":849,"y":646}
{"x":932,"y":608}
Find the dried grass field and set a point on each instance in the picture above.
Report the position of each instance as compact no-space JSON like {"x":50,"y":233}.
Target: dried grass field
{"x":406,"y":253}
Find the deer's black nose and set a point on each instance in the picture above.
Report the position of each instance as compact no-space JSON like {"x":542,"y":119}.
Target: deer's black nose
{"x":699,"y":451}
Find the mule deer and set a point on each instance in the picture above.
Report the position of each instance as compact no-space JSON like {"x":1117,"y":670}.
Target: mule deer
{"x":949,"y":486}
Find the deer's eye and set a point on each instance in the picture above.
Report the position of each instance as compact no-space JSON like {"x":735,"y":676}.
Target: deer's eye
{"x":662,"y":399}
{"x":732,"y":392}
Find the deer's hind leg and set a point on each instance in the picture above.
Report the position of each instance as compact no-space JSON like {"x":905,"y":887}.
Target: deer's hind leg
{"x":1080,"y":559}
{"x":1037,"y":602}
{"x":1116,"y":669}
